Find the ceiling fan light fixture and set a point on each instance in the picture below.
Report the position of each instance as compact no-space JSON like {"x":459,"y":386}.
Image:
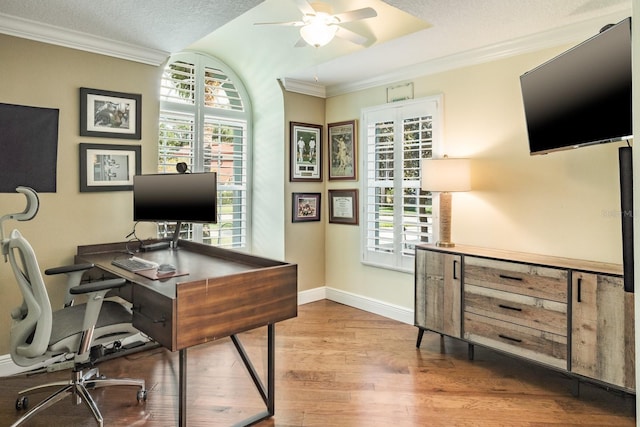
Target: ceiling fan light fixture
{"x":318,"y":34}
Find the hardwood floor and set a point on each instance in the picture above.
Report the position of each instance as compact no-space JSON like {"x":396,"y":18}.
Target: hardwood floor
{"x":339,"y":366}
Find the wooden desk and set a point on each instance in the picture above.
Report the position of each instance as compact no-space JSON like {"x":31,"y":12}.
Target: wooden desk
{"x":222,"y":294}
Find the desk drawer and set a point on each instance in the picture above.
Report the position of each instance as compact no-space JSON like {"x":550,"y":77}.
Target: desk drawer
{"x":153,"y":315}
{"x":525,"y":279}
{"x":536,"y":313}
{"x":526,"y":342}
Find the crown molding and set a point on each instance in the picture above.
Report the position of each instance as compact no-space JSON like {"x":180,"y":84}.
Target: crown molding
{"x":27,"y":29}
{"x":305,"y":88}
{"x":562,"y":36}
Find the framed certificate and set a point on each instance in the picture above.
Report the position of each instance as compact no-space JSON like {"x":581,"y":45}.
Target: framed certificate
{"x":343,"y":206}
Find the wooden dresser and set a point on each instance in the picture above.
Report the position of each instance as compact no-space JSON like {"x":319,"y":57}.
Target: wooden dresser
{"x":568,"y":314}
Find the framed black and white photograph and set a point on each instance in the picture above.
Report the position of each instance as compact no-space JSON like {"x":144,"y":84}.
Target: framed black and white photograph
{"x":107,"y":167}
{"x":110,"y":114}
{"x":342,"y":150}
{"x":305,"y":207}
{"x":343,"y":206}
{"x":306,"y":152}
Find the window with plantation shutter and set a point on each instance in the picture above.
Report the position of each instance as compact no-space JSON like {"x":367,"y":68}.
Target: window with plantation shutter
{"x":204,"y":122}
{"x":397,"y":215}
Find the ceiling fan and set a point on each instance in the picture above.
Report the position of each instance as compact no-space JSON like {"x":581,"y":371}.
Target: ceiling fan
{"x":319,"y":25}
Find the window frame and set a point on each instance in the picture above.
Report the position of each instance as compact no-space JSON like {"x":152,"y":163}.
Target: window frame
{"x":204,"y":115}
{"x":400,"y":256}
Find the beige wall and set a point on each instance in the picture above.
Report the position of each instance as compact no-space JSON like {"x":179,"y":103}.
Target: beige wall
{"x":561,"y":204}
{"x":305,"y":241}
{"x":38,"y":74}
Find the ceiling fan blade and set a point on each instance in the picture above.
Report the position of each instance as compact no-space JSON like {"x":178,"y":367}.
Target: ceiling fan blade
{"x":305,"y":7}
{"x":357,"y":14}
{"x":287,"y":24}
{"x":356,"y":38}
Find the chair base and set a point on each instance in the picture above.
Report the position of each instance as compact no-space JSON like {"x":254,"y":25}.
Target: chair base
{"x":78,"y":387}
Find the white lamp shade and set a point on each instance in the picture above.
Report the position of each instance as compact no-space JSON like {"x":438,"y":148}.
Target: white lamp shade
{"x":318,"y":34}
{"x":446,"y":174}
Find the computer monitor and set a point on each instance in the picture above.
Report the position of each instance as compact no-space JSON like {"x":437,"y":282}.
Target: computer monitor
{"x":188,"y":197}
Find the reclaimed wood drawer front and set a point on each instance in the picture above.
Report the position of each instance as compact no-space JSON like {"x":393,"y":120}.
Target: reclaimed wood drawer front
{"x":534,"y":344}
{"x":536,"y":313}
{"x":603,"y":337}
{"x":525,"y":279}
{"x":438,"y":294}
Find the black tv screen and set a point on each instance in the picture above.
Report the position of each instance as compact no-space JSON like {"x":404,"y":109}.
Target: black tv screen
{"x":582,"y":96}
{"x":189,"y":197}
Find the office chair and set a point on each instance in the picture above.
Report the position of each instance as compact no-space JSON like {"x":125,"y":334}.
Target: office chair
{"x":38,"y":333}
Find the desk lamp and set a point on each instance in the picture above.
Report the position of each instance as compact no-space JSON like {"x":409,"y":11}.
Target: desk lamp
{"x":445,"y":176}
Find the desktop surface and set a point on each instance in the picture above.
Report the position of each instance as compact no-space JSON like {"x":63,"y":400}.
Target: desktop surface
{"x":219,"y":293}
{"x":191,"y":265}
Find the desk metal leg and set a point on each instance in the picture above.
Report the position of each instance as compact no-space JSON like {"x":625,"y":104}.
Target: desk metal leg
{"x":271,"y":368}
{"x":182,"y":384}
{"x":268,"y":393}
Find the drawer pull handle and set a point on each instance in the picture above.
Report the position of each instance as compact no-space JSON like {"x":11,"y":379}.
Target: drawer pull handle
{"x":509,"y":338}
{"x":509,"y":308}
{"x":579,"y":289}
{"x":504,"y":276}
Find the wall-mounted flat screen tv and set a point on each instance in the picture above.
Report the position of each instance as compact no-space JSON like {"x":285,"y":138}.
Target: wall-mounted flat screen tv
{"x":582,"y":96}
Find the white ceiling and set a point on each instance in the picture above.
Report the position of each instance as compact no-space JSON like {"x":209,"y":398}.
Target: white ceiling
{"x":407,"y":33}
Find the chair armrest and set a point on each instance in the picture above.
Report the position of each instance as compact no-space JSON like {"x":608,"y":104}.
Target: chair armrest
{"x":68,"y":269}
{"x":97,"y":286}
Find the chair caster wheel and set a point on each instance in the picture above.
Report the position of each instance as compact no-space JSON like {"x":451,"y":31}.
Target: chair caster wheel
{"x":142,"y":396}
{"x":22,"y":403}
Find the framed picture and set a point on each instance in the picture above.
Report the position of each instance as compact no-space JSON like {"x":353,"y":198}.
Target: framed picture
{"x":306,"y":152}
{"x":305,"y":207}
{"x":107,"y":167}
{"x":109,"y":114}
{"x":342,"y":150}
{"x":343,"y":206}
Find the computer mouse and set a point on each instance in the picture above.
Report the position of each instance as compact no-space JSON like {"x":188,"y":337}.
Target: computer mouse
{"x":166,"y":268}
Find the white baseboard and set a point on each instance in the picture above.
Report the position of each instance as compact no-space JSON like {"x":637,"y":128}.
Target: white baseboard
{"x":401,"y":314}
{"x":395,"y":312}
{"x":311,"y":295}
{"x":7,"y":367}
{"x":391,"y":311}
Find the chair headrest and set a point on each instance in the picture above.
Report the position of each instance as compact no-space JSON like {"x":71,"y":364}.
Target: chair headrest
{"x":30,"y":211}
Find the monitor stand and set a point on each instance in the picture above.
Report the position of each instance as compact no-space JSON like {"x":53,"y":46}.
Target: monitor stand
{"x":176,"y":236}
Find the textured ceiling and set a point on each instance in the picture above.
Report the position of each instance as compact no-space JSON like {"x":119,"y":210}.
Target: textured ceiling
{"x":406,"y":32}
{"x":166,"y":25}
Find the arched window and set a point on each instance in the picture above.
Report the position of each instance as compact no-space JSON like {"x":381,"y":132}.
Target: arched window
{"x":205,"y":122}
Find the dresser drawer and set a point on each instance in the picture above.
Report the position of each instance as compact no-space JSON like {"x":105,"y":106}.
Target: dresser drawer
{"x":536,"y":313}
{"x":525,"y":279}
{"x":526,"y":342}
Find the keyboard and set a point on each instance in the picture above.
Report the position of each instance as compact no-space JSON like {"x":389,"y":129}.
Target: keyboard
{"x":133,"y":264}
